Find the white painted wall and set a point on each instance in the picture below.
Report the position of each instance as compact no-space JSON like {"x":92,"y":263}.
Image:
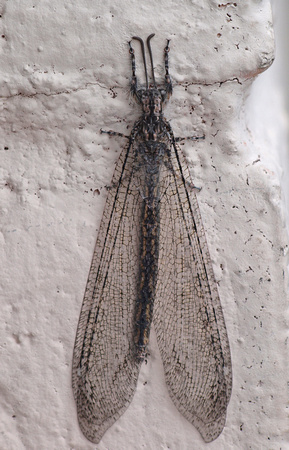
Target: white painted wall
{"x":65,"y":74}
{"x":269,"y":100}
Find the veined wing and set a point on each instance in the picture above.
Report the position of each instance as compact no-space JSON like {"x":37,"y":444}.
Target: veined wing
{"x":188,"y":318}
{"x":105,"y":369}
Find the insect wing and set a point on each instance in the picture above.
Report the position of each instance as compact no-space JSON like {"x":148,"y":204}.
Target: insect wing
{"x":188,"y":318}
{"x":105,"y":369}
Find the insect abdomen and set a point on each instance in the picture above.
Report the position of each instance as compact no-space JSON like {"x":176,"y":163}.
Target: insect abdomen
{"x":152,"y":152}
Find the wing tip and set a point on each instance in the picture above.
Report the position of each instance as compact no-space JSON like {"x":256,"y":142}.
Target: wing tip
{"x":212,"y":430}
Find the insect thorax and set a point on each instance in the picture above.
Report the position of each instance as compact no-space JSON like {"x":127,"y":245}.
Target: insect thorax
{"x":152,"y":124}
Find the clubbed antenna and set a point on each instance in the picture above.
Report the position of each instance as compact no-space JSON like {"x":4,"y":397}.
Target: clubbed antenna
{"x":151,"y":56}
{"x":144,"y":57}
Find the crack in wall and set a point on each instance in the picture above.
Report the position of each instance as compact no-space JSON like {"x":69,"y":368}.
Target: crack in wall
{"x":71,"y":90}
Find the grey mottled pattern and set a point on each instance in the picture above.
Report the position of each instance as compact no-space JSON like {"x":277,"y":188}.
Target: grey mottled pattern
{"x":187,"y":314}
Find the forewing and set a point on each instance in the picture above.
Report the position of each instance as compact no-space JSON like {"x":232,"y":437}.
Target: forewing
{"x":188,"y":318}
{"x":105,"y":369}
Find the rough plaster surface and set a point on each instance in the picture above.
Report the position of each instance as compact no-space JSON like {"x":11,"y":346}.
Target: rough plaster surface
{"x":64,"y":75}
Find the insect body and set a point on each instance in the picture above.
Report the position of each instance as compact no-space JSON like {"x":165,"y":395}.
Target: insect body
{"x":151,"y":265}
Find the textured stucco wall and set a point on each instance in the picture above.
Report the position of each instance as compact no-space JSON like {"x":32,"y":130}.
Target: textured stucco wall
{"x":65,"y":74}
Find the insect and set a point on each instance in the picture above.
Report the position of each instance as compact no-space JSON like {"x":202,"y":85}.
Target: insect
{"x":151,"y":264}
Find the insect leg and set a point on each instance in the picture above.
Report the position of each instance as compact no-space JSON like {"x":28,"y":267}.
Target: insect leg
{"x":188,"y":138}
{"x":168,"y":81}
{"x":180,"y":139}
{"x":131,"y":137}
{"x":133,"y":84}
{"x":113,"y":133}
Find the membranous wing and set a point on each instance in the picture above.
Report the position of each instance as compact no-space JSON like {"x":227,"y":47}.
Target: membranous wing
{"x":188,"y":318}
{"x":105,"y":369}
